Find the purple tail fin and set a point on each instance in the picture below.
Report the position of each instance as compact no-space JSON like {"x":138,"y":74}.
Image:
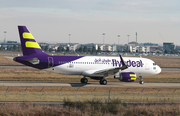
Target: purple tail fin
{"x":28,"y":43}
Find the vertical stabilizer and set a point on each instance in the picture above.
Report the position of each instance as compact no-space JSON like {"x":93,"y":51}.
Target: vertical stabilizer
{"x":28,"y":43}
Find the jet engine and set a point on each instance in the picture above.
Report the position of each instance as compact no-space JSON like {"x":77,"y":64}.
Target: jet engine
{"x":126,"y":76}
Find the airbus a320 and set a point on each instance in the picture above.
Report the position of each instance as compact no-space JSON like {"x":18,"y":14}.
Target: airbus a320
{"x":126,"y":69}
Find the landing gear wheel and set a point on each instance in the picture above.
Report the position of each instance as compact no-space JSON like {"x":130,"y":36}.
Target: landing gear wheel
{"x":84,"y":80}
{"x":141,"y":80}
{"x":103,"y":82}
{"x":100,"y":82}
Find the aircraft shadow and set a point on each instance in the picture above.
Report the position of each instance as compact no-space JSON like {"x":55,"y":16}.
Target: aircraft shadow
{"x":78,"y":84}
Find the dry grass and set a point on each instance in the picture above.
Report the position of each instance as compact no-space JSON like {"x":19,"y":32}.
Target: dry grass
{"x":28,"y":74}
{"x":90,"y":109}
{"x":164,"y":76}
{"x":29,"y":109}
{"x":7,"y":61}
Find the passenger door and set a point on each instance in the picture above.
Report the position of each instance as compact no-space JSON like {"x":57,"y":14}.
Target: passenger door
{"x":147,"y":67}
{"x":50,"y":62}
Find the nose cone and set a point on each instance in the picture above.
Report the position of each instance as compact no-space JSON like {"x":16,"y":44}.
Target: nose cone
{"x":158,"y":70}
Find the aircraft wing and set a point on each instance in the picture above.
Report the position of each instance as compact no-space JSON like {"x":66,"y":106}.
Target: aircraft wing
{"x":109,"y":71}
{"x":97,"y":72}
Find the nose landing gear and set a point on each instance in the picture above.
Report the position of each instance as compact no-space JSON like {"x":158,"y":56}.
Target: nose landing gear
{"x":141,"y":80}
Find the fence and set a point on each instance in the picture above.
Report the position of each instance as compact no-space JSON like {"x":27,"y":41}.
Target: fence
{"x":58,"y":94}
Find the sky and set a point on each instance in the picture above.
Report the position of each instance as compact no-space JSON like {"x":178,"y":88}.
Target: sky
{"x":155,"y":21}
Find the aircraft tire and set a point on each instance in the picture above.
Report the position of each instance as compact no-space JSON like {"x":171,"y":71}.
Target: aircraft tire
{"x":100,"y":82}
{"x":84,"y":80}
{"x":141,"y":82}
{"x":103,"y":82}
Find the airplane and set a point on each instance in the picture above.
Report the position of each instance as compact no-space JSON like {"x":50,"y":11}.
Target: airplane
{"x":126,"y":69}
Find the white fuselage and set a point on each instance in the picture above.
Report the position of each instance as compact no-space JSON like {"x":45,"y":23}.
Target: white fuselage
{"x":89,"y":64}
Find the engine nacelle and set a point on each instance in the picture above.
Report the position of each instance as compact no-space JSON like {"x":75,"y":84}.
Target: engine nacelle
{"x":126,"y":76}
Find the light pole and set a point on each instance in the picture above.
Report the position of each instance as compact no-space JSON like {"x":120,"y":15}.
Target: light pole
{"x":128,"y":43}
{"x":5,"y":36}
{"x":103,"y":37}
{"x":69,"y":38}
{"x":118,"y":38}
{"x":128,"y":39}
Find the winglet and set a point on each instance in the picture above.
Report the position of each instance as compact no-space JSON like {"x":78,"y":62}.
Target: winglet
{"x":124,"y":66}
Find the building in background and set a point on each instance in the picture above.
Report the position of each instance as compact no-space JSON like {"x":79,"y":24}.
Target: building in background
{"x":90,"y":46}
{"x":139,"y":49}
{"x":156,"y":49}
{"x":108,"y":47}
{"x":10,"y":43}
{"x":133,"y":48}
{"x":133,"y":43}
{"x":10,"y":46}
{"x":168,"y":47}
{"x":144,"y":49}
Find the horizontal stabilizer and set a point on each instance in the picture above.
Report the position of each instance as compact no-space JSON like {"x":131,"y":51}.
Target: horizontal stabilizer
{"x":8,"y":57}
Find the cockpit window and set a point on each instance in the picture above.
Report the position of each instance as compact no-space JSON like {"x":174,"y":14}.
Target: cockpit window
{"x":154,"y":64}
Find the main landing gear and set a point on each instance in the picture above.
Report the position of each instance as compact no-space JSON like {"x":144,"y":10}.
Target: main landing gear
{"x":141,"y":80}
{"x":84,"y":80}
{"x":103,"y":82}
